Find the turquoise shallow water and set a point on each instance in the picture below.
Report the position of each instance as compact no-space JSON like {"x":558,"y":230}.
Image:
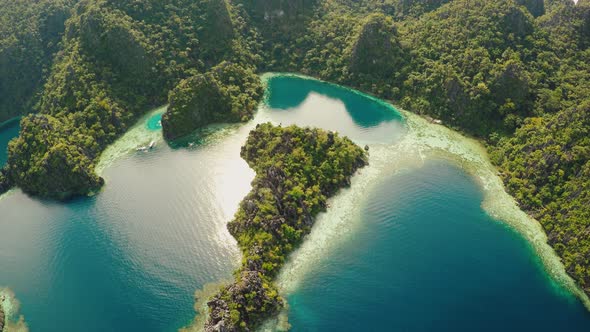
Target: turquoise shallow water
{"x":307,"y":102}
{"x":155,"y":122}
{"x":8,"y":131}
{"x":426,"y":257}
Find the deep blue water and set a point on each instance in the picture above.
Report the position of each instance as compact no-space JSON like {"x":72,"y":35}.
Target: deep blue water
{"x":427,"y":258}
{"x":130,"y":258}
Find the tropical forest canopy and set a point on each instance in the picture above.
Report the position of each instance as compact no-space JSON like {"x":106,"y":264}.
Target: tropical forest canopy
{"x":514,"y":73}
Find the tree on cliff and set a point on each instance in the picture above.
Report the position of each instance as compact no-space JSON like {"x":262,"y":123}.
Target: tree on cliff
{"x":227,"y":93}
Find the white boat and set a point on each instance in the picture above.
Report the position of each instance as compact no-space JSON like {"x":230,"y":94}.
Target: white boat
{"x":147,"y":147}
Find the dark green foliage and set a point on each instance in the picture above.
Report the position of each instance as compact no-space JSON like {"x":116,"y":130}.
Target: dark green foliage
{"x":57,"y":158}
{"x":5,"y":185}
{"x":376,"y":50}
{"x":217,"y":36}
{"x":535,"y":7}
{"x":546,"y":163}
{"x":117,"y":59}
{"x":227,"y":93}
{"x":546,"y":167}
{"x":463,"y":54}
{"x":297,"y":170}
{"x":29,"y":36}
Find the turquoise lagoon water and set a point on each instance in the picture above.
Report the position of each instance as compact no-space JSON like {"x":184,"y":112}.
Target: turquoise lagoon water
{"x":155,"y":122}
{"x":426,"y":257}
{"x":8,"y":131}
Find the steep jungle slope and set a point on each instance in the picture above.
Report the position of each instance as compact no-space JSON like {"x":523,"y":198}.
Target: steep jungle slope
{"x":546,"y":163}
{"x":117,"y":59}
{"x":30,"y":32}
{"x":228,"y":93}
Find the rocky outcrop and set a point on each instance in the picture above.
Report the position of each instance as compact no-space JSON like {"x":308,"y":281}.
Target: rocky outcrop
{"x":228,"y":93}
{"x":229,"y":307}
{"x":29,"y":37}
{"x":47,"y":161}
{"x":110,"y":38}
{"x":518,"y":22}
{"x":279,"y":10}
{"x":217,"y":34}
{"x":535,"y":7}
{"x":297,"y":170}
{"x":512,"y":83}
{"x":376,"y":50}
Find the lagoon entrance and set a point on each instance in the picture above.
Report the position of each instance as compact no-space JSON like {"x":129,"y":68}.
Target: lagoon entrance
{"x":407,"y":247}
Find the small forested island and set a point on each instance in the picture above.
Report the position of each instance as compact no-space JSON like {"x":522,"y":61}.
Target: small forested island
{"x":227,"y":93}
{"x":297,"y":170}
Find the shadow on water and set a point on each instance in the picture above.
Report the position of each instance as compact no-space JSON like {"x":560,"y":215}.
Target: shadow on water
{"x":8,"y":131}
{"x":288,"y":92}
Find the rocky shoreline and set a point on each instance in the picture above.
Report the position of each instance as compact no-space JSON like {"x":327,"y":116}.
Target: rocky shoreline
{"x":297,"y":169}
{"x":2,"y":316}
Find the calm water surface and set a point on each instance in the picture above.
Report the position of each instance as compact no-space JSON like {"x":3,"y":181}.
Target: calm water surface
{"x":130,"y":259}
{"x":7,"y":132}
{"x":427,"y":258}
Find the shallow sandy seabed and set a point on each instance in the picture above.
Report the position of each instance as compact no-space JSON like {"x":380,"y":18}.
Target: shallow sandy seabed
{"x":10,"y":305}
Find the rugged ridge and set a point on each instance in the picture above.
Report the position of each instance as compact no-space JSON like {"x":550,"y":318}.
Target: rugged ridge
{"x":30,"y":32}
{"x":297,"y":170}
{"x":377,"y":49}
{"x":227,"y":93}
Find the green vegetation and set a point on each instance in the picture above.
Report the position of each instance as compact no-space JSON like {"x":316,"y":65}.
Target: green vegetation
{"x":297,"y":170}
{"x":4,"y":183}
{"x":515,"y":73}
{"x":225,"y":94}
{"x":546,"y":168}
{"x":546,"y":163}
{"x":116,"y":59}
{"x":30,"y":32}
